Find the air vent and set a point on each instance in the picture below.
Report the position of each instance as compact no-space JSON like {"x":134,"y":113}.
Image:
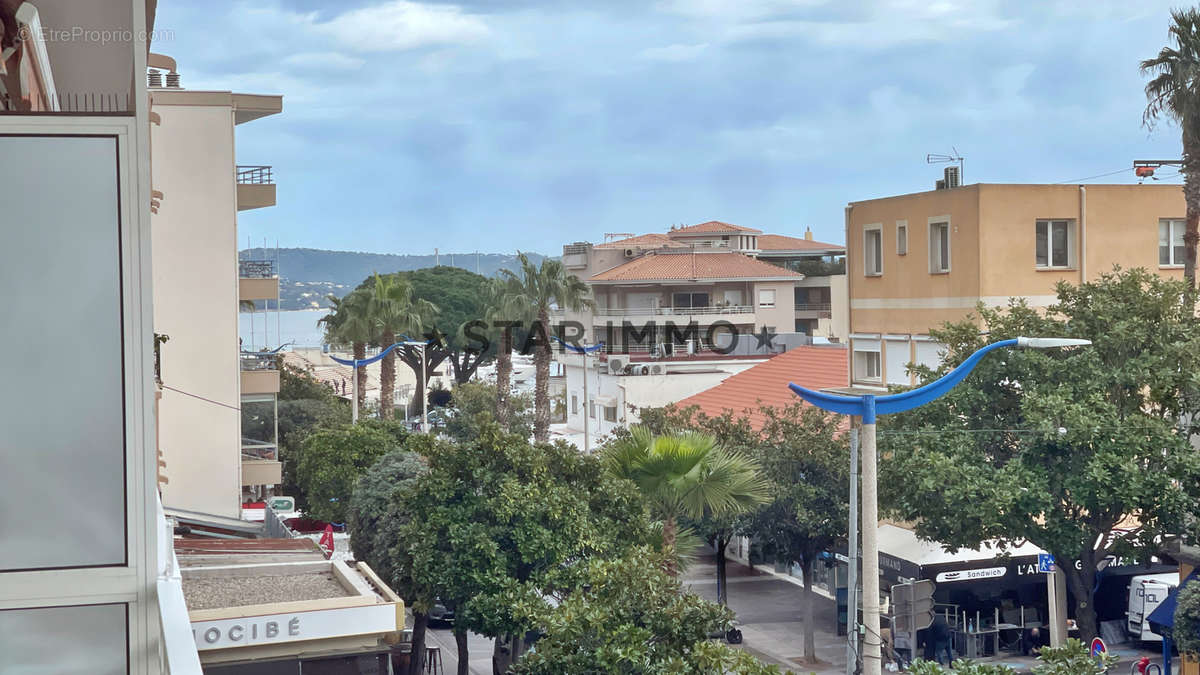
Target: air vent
{"x":154,"y":78}
{"x":951,"y":175}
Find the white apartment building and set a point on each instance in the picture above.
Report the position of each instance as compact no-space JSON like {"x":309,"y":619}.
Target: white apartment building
{"x":215,"y":454}
{"x":668,"y":303}
{"x":87,"y":582}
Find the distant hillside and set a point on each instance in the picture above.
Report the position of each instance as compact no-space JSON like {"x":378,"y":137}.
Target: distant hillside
{"x":307,"y":275}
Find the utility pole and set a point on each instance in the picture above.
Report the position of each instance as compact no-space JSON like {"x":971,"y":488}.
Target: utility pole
{"x":872,"y":661}
{"x":424,"y":394}
{"x":852,"y":565}
{"x":587,"y":445}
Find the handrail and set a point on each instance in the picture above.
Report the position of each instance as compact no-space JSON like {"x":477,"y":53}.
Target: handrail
{"x":249,"y":174}
{"x":813,"y":306}
{"x":256,"y":269}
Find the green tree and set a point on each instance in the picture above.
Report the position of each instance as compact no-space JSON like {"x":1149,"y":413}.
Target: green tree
{"x":538,"y":287}
{"x":394,"y":310}
{"x":460,"y":297}
{"x":1058,"y":447}
{"x":505,"y":526}
{"x":375,"y":524}
{"x":632,"y":617}
{"x":331,"y":461}
{"x":685,"y":475}
{"x":1186,"y":631}
{"x":1174,"y":93}
{"x":474,"y":403}
{"x":349,"y":322}
{"x":503,"y":310}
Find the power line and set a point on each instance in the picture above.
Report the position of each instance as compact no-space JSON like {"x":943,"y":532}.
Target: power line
{"x":208,"y":400}
{"x":1100,"y":175}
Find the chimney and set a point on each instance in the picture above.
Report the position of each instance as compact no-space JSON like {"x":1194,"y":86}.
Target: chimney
{"x":173,"y":80}
{"x":808,"y":234}
{"x":154,"y":78}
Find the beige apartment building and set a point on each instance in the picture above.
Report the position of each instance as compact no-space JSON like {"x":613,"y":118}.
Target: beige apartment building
{"x":918,"y":260}
{"x":218,"y":408}
{"x":667,"y":303}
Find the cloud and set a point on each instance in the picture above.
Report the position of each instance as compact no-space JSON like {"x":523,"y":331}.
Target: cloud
{"x":673,"y":53}
{"x":401,"y":25}
{"x":323,"y":61}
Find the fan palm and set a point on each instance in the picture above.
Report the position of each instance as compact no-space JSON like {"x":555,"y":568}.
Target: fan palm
{"x":1174,"y":93}
{"x":502,"y":311}
{"x":685,"y":474}
{"x":349,"y":321}
{"x":536,"y":288}
{"x":392,"y":310}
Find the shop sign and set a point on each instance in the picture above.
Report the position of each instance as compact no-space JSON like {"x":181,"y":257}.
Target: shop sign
{"x":971,"y":575}
{"x":294,"y":626}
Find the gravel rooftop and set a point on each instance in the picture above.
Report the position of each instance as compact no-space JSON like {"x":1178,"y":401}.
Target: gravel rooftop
{"x":218,"y":592}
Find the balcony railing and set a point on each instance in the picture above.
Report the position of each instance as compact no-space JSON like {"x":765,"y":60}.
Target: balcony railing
{"x":263,"y":361}
{"x":683,"y":311}
{"x":256,"y":269}
{"x":255,"y":175}
{"x":812,"y":306}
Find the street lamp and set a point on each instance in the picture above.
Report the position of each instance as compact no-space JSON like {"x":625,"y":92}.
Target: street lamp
{"x":424,"y":394}
{"x":867,"y":406}
{"x":355,"y":364}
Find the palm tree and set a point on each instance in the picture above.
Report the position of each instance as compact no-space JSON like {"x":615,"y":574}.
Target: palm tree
{"x":1174,"y":93}
{"x":685,"y":474}
{"x":349,"y":321}
{"x":392,"y":310}
{"x":537,"y":288}
{"x":501,"y":308}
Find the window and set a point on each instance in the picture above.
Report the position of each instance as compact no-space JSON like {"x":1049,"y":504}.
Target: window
{"x":1055,"y":243}
{"x":575,"y":403}
{"x":766,"y":297}
{"x":901,"y":237}
{"x":610,"y":413}
{"x":688,"y":300}
{"x":866,"y":365}
{"x":873,"y":251}
{"x":592,"y":410}
{"x":939,"y":248}
{"x":1170,"y":242}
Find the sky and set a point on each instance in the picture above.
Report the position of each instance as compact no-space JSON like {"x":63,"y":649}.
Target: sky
{"x":497,"y":125}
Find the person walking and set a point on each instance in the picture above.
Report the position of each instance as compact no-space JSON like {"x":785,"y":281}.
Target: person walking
{"x":939,"y":635}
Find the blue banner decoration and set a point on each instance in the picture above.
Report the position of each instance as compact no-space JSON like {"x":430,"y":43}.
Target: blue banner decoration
{"x":577,"y":349}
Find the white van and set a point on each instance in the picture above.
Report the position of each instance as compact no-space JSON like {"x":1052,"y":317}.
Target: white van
{"x":1146,"y":593}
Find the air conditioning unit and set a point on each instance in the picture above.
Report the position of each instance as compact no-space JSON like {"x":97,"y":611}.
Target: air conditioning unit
{"x":658,"y":369}
{"x":642,"y":370}
{"x":616,"y":366}
{"x":629,"y":252}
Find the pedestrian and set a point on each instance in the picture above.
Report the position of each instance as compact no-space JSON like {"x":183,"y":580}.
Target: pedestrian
{"x":939,"y":635}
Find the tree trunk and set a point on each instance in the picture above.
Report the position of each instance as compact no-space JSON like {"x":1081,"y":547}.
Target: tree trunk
{"x":503,"y":377}
{"x":503,"y":655}
{"x":464,"y":657}
{"x":668,"y":534}
{"x":810,"y":637}
{"x":360,"y":353}
{"x":387,"y":376}
{"x":1082,"y":582}
{"x":541,"y":373}
{"x":722,"y":579}
{"x":416,"y":660}
{"x":1191,"y":195}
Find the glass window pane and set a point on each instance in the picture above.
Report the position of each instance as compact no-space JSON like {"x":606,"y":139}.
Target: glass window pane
{"x":699,"y":299}
{"x":681,"y":300}
{"x":944,"y":249}
{"x":62,"y":490}
{"x":81,"y":640}
{"x":1177,"y":246}
{"x":1164,"y":242}
{"x":1058,"y":244}
{"x":1041,"y":255}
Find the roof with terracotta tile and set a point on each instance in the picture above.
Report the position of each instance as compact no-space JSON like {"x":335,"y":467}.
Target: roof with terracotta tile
{"x":641,"y":240}
{"x":712,"y":226}
{"x":779,"y":242}
{"x":686,"y":266}
{"x":811,"y":366}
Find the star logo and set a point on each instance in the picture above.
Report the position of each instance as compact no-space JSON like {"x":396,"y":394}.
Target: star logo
{"x":765,"y":338}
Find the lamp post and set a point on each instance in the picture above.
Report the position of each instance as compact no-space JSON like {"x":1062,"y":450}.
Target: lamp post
{"x":867,"y":406}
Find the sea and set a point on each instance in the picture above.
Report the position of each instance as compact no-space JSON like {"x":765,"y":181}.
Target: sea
{"x":272,"y":329}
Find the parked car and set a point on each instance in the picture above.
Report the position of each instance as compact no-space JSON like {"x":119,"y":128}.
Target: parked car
{"x":440,"y":615}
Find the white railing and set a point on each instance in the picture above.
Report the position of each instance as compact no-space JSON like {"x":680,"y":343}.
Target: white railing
{"x":812,"y":306}
{"x":178,"y":645}
{"x":677,"y":311}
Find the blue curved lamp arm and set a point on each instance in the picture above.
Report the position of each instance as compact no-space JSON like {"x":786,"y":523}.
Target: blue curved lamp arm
{"x":894,"y":403}
{"x":365,"y":362}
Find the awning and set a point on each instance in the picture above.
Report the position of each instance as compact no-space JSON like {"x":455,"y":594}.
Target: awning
{"x":1163,"y":616}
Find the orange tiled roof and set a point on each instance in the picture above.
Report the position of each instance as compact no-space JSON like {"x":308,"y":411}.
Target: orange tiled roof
{"x":814,"y":367}
{"x":779,"y":242}
{"x":713,"y":226}
{"x":683,"y":266}
{"x":642,"y":240}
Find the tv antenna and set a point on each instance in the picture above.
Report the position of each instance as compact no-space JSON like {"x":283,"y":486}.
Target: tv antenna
{"x":934,"y":158}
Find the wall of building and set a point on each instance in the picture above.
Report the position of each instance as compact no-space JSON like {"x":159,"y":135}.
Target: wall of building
{"x":196,"y":304}
{"x":780,"y":318}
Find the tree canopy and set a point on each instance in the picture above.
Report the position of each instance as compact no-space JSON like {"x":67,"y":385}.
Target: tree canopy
{"x":331,"y":461}
{"x":1059,"y":447}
